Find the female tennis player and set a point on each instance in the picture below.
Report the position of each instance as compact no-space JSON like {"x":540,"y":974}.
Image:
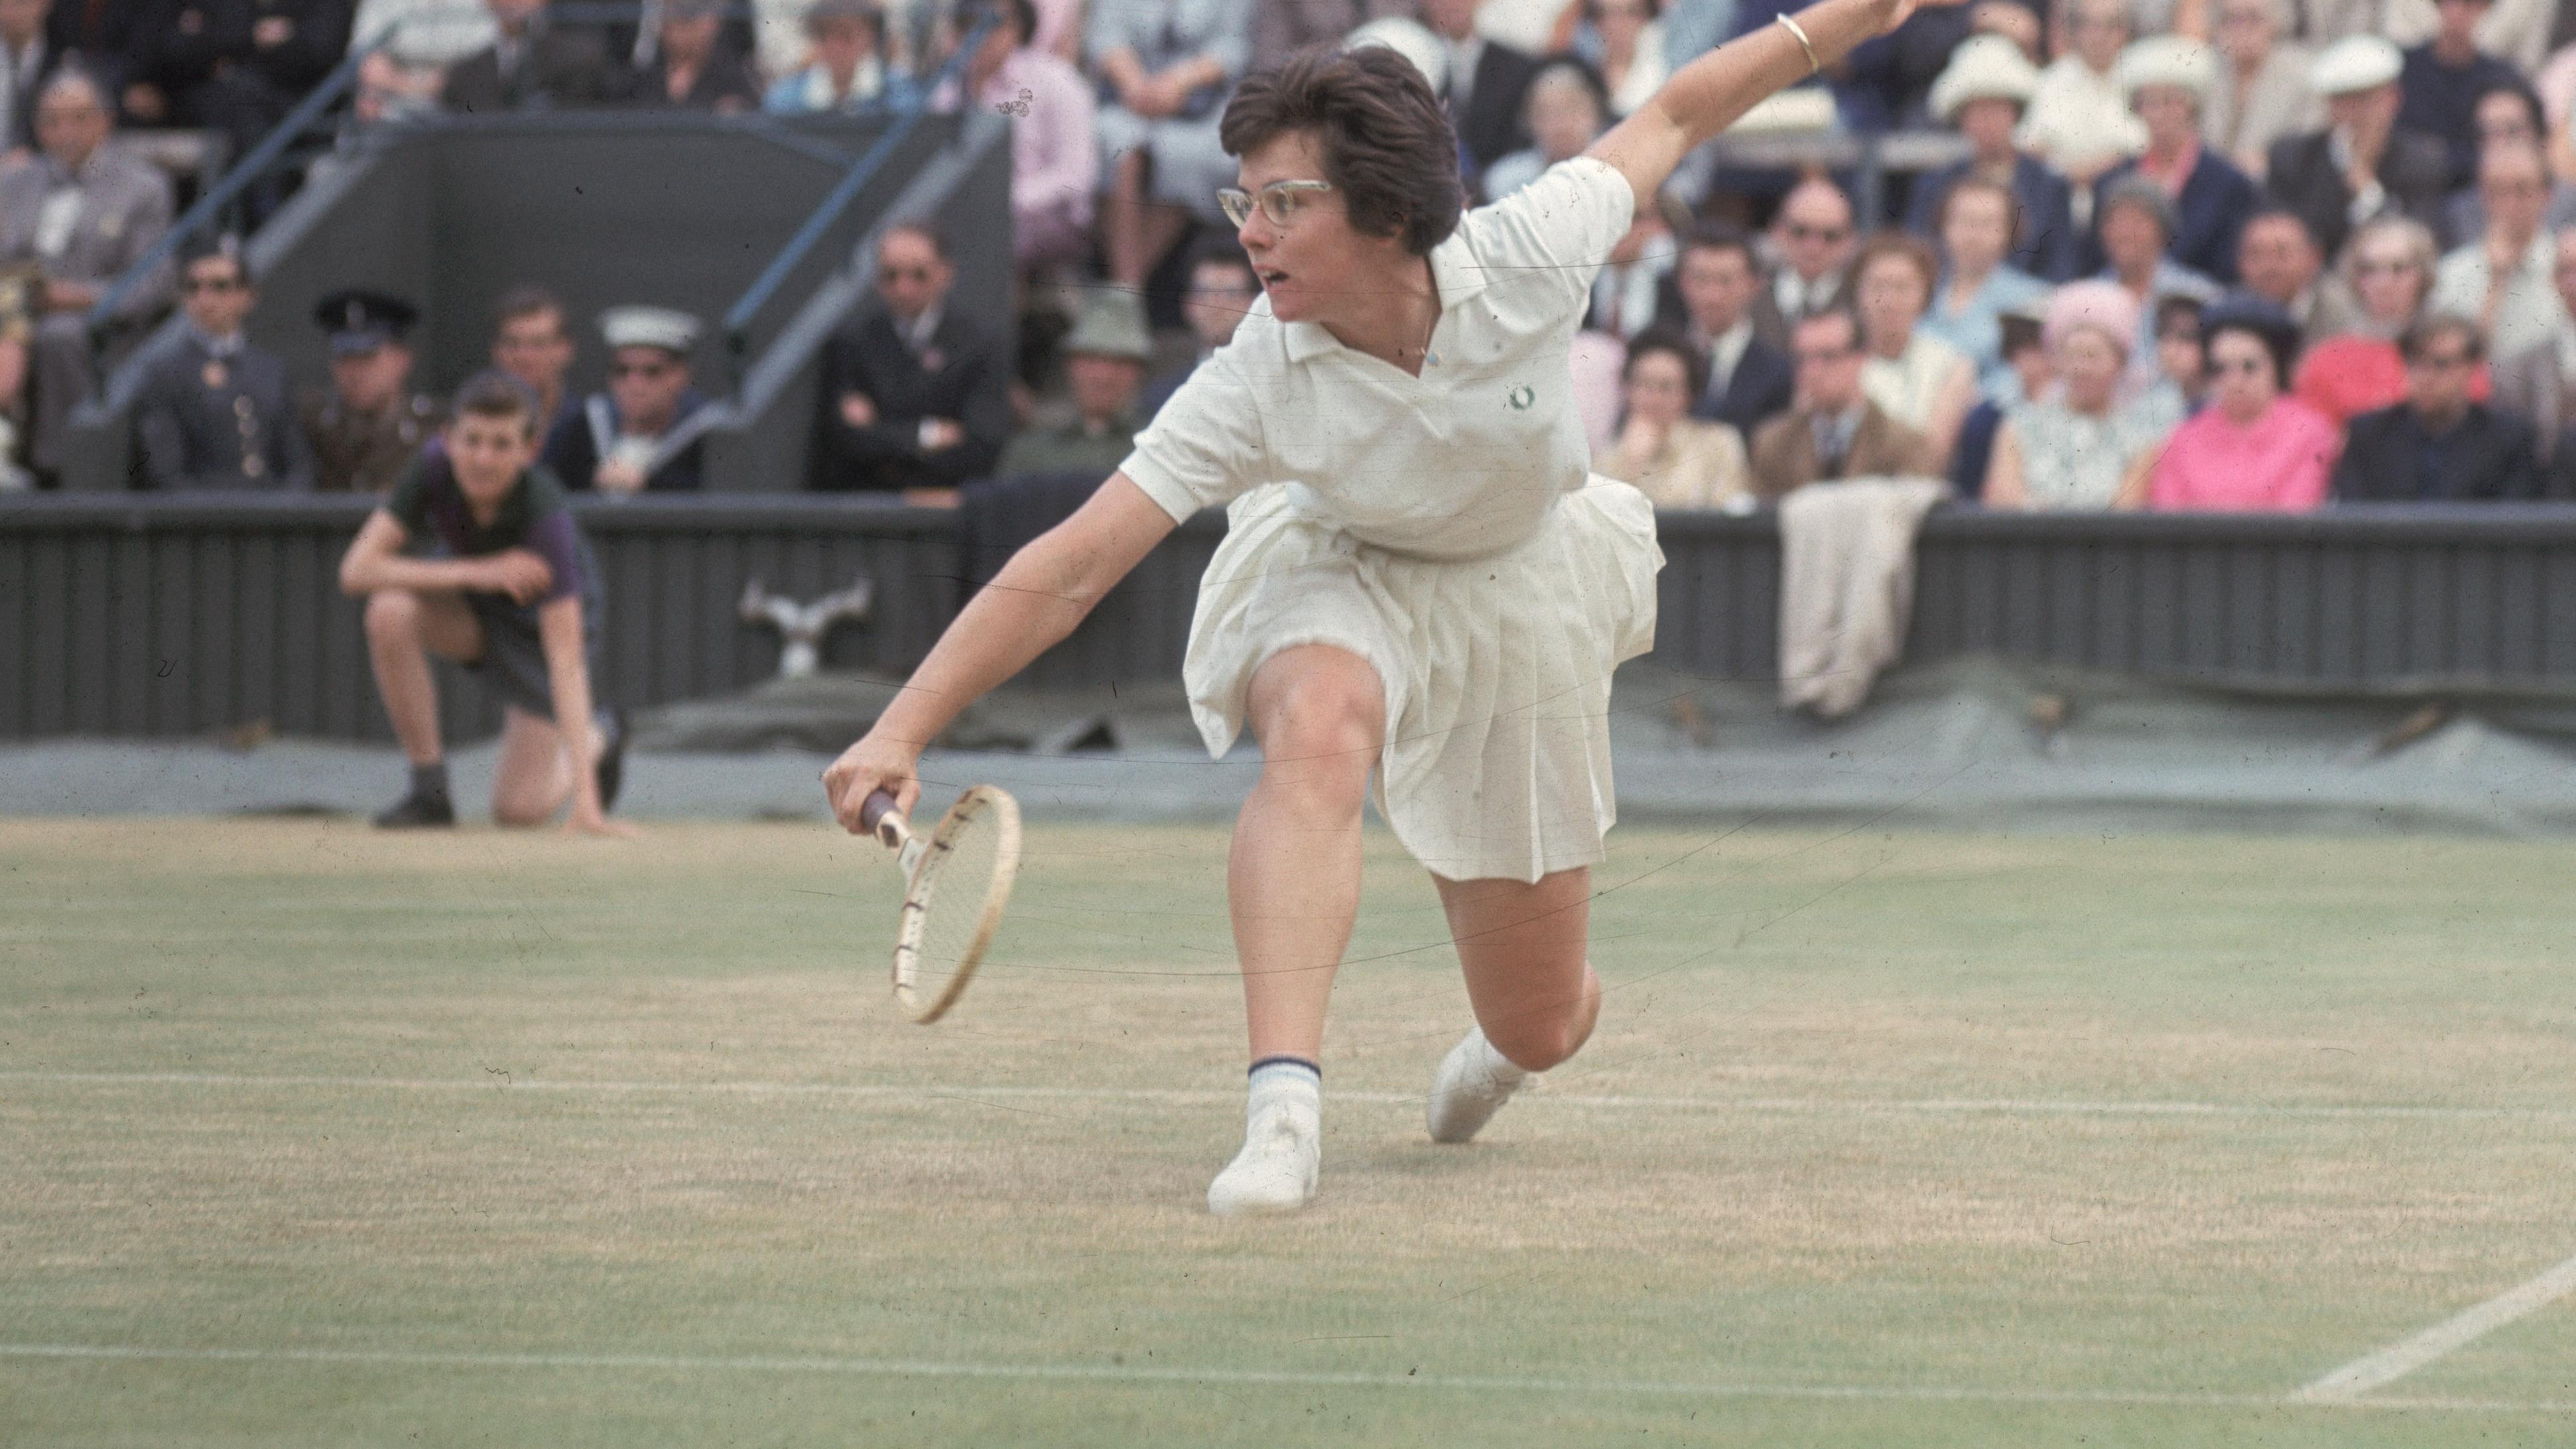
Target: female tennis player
{"x":1421,"y":577}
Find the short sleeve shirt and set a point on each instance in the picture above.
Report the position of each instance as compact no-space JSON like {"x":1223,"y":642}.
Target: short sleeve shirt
{"x":428,"y":502}
{"x":1464,"y":459}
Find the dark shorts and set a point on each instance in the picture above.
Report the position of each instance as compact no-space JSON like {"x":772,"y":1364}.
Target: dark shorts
{"x":513,"y":662}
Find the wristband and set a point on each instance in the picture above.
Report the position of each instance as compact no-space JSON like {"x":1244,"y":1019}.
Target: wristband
{"x":1814,"y":66}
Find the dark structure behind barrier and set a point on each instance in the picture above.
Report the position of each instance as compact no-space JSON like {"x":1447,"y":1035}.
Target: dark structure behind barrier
{"x":171,"y":617}
{"x":603,"y":208}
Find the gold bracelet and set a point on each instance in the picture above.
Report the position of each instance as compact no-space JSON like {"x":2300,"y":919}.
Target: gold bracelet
{"x":1814,"y":66}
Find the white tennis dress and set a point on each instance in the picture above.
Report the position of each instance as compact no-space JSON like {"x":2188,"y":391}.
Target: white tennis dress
{"x":1446,"y":528}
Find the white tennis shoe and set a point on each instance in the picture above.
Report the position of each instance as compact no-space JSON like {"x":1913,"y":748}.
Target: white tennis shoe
{"x":1276,"y":1170}
{"x":1473,"y":1083}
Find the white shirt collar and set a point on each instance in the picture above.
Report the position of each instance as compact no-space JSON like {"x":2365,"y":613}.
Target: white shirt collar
{"x":1454,"y":272}
{"x":1726,"y":351}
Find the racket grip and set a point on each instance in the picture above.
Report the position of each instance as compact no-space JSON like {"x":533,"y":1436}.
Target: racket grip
{"x":877,"y":816}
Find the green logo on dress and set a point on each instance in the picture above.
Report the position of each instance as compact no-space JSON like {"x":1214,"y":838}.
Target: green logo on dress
{"x":1522,"y":397}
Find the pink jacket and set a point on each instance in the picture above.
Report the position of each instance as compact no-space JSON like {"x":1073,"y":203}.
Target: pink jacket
{"x":2280,"y":464}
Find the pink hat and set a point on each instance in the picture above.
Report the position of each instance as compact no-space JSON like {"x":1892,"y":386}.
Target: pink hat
{"x":2104,"y":306}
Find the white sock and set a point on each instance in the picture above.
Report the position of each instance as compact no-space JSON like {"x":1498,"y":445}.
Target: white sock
{"x":1277,"y":1083}
{"x":1282,"y":1141}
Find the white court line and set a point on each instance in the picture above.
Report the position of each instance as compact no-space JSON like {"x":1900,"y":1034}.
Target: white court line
{"x":2398,"y":1360}
{"x":1155,"y":1374}
{"x":1998,"y":1106}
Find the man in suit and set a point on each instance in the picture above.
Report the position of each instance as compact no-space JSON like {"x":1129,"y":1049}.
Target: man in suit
{"x":368,"y":425}
{"x":1486,"y":82}
{"x":1815,"y":238}
{"x":916,"y":398}
{"x":214,"y":411}
{"x":84,"y":214}
{"x":27,"y":57}
{"x":2167,"y":79}
{"x":2362,"y":166}
{"x":1834,"y":431}
{"x":99,"y":36}
{"x":2437,"y":446}
{"x":2277,"y":260}
{"x":2443,"y":79}
{"x":2538,"y":384}
{"x":1749,"y":380}
{"x":235,"y":66}
{"x":1636,"y":287}
{"x":530,"y":65}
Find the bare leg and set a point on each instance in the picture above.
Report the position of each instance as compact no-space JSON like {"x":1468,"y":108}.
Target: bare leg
{"x":533,"y":777}
{"x":403,"y":629}
{"x":1293,"y":881}
{"x":1523,"y":949}
{"x":1136,"y":229}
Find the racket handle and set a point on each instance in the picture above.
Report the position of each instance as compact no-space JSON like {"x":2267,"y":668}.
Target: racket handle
{"x":878,"y":817}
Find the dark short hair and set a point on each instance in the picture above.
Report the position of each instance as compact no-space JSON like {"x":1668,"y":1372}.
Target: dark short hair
{"x":2520,"y":91}
{"x":2432,"y":327}
{"x":2276,"y":212}
{"x":495,"y":394}
{"x":1973,"y":182}
{"x":1912,"y":250}
{"x":1664,"y":338}
{"x":1724,"y":236}
{"x":2279,"y":344}
{"x":521,"y":302}
{"x":1387,"y":147}
{"x":1839,"y":312}
{"x":922,"y":227}
{"x":2020,"y":334}
{"x":1218,"y":251}
{"x":2176,"y":304}
{"x":1577,"y":67}
{"x":224,"y":247}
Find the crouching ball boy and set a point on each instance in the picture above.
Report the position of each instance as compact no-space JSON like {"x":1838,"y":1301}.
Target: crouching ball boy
{"x":508,"y":590}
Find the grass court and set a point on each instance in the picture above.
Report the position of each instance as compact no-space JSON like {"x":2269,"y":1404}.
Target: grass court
{"x":314,"y":1136}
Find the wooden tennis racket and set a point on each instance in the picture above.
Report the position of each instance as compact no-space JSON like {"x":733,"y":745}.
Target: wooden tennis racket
{"x":956,"y":881}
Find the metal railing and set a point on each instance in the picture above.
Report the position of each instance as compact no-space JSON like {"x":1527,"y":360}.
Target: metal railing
{"x":258,"y":164}
{"x":738,"y":318}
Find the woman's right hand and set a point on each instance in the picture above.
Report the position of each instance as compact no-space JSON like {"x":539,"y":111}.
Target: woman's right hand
{"x":865,"y":768}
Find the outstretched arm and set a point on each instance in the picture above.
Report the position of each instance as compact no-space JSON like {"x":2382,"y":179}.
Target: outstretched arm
{"x":1032,"y":604}
{"x":1709,"y":94}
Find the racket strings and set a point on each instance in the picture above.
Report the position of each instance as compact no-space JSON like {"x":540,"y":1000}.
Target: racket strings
{"x":957,"y":878}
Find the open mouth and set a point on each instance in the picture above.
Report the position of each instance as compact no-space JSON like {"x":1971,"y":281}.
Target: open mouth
{"x":1270,"y":276}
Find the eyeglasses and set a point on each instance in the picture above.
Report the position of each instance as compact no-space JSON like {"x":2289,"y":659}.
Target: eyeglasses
{"x":1278,"y":201}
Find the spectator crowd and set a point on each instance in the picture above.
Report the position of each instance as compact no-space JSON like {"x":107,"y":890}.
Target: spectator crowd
{"x":2184,"y":254}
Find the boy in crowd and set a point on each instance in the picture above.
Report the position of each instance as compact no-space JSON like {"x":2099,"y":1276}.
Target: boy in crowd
{"x":512,"y":594}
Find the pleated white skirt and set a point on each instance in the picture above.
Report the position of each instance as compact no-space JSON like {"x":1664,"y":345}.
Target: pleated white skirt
{"x":1496,"y":669}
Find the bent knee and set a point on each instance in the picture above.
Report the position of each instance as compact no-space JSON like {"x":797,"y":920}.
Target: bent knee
{"x":394,"y":614}
{"x":1536,"y":1046}
{"x":1326,"y":722}
{"x":521,"y":814}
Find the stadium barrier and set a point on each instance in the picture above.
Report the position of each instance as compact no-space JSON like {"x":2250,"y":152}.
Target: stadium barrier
{"x":141,"y":616}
